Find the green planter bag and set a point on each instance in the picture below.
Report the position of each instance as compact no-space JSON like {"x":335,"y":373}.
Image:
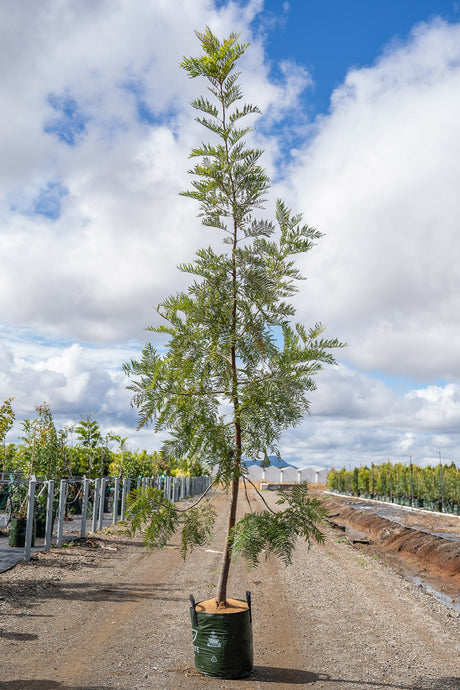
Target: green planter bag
{"x":222,"y":642}
{"x":17,"y":536}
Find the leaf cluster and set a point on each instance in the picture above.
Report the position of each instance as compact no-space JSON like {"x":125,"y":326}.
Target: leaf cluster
{"x":277,"y":532}
{"x":7,"y":416}
{"x":157,"y":519}
{"x":229,"y":183}
{"x":189,"y":390}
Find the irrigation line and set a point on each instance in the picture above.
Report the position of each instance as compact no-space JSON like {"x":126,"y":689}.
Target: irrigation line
{"x":183,"y":510}
{"x":263,"y":499}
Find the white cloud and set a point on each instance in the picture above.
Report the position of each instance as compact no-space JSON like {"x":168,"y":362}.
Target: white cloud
{"x":70,"y":381}
{"x":437,"y":407}
{"x":96,"y":128}
{"x":358,"y":419}
{"x":355,"y":418}
{"x":381,"y":179}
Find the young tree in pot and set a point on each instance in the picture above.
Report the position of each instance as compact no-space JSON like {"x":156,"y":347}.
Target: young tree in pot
{"x":90,"y":437}
{"x":7,"y":416}
{"x":17,"y":500}
{"x":236,"y":371}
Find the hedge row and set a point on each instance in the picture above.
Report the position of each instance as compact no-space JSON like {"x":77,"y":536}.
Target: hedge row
{"x":435,"y":488}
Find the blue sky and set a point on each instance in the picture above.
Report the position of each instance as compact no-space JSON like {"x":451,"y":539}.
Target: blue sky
{"x":332,"y":36}
{"x":361,"y":132}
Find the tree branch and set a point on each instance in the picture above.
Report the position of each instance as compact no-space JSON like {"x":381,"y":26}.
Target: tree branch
{"x":263,"y":499}
{"x":184,"y":510}
{"x":246,"y":493}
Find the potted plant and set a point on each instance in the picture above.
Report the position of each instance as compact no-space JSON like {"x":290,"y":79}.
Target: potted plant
{"x":236,"y":370}
{"x":17,"y":498}
{"x":40,"y":506}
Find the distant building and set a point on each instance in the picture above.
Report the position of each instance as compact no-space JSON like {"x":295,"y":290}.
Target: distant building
{"x":288,"y":473}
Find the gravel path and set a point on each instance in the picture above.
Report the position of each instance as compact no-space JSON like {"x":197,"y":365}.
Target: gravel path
{"x":107,"y":614}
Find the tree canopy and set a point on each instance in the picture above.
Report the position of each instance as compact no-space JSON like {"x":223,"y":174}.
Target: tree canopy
{"x":237,"y":369}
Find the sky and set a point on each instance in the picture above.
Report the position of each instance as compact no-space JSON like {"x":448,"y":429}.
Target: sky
{"x":360,"y":125}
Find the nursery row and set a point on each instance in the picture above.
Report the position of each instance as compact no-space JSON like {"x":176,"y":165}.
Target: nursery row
{"x":79,"y":461}
{"x":434,"y":488}
{"x":33,"y":507}
{"x":77,"y":450}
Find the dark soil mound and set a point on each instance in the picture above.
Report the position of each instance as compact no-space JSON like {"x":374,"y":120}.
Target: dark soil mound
{"x":425,"y":552}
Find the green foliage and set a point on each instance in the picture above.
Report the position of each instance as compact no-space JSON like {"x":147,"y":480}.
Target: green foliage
{"x":42,"y":451}
{"x":304,"y":512}
{"x":157,"y":519}
{"x":355,"y":480}
{"x":277,"y":533}
{"x":152,"y":515}
{"x":48,"y":458}
{"x":90,"y":437}
{"x":226,"y":387}
{"x":7,"y":454}
{"x":78,"y":461}
{"x":17,"y":499}
{"x":403,"y":482}
{"x":129,"y":463}
{"x":7,"y":416}
{"x":197,"y":526}
{"x":46,"y":451}
{"x":88,"y":432}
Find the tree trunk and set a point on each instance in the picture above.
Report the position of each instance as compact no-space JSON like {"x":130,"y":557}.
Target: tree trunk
{"x":221,"y":594}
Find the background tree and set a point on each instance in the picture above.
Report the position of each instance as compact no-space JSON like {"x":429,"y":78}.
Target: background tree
{"x":24,"y":461}
{"x":236,"y":371}
{"x":116,"y":467}
{"x":49,"y":458}
{"x":7,"y":416}
{"x":90,"y":437}
{"x":364,"y":479}
{"x":355,"y":481}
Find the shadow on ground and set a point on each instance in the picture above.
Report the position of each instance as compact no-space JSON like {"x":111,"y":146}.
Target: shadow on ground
{"x":269,"y":674}
{"x":18,"y":637}
{"x":38,"y":591}
{"x":45,"y":685}
{"x":293,"y":676}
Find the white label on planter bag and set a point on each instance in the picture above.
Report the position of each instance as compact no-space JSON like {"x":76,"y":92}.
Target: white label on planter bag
{"x":213,"y":641}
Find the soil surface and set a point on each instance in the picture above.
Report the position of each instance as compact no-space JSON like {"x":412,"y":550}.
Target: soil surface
{"x":229,"y":606}
{"x":418,"y":544}
{"x":106,"y":613}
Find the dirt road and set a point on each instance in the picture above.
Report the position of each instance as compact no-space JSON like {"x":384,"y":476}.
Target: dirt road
{"x":107,"y":614}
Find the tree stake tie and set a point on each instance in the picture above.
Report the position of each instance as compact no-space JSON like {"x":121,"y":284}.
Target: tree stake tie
{"x":195,"y":616}
{"x":248,"y":599}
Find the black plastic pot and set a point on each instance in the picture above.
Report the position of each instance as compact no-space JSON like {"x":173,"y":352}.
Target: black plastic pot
{"x":74,"y":507}
{"x":118,"y":507}
{"x":17,"y":536}
{"x":3,"y":498}
{"x":222,"y":642}
{"x":40,"y":526}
